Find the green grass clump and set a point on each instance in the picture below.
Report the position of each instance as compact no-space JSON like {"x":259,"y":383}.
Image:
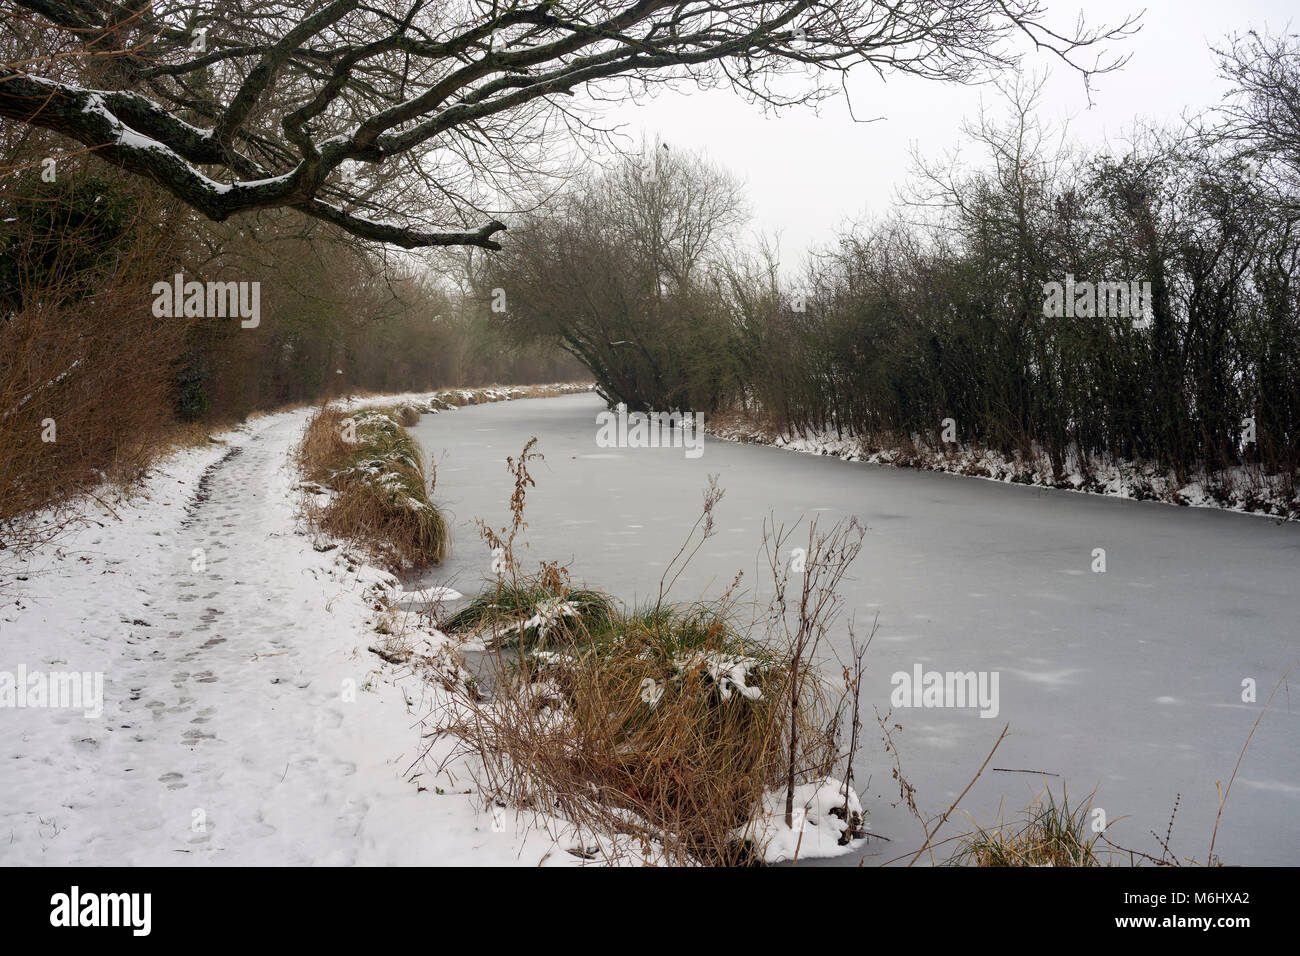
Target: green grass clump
{"x":1045,"y":834}
{"x":677,"y":645}
{"x":533,"y":612}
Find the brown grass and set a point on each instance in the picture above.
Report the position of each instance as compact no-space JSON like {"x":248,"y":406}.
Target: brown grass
{"x":378,"y":492}
{"x":638,"y":724}
{"x":636,"y":731}
{"x":406,"y":416}
{"x":323,"y":448}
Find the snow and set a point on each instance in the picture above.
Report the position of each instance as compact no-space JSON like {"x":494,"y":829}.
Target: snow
{"x":1253,"y":493}
{"x":54,"y":381}
{"x":545,"y":616}
{"x":728,"y":672}
{"x":244,"y":719}
{"x":819,"y":824}
{"x":431,"y":403}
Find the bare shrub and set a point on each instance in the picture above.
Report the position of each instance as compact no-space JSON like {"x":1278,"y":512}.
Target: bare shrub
{"x":85,"y":367}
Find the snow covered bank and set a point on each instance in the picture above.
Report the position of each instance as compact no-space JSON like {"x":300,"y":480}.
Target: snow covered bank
{"x":244,"y":720}
{"x":1239,"y":489}
{"x":449,"y":399}
{"x":262,"y":695}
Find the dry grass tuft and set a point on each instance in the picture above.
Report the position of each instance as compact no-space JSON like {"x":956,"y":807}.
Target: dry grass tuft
{"x":667,"y":724}
{"x":1043,"y":834}
{"x":406,"y":416}
{"x":664,"y":728}
{"x":369,"y":472}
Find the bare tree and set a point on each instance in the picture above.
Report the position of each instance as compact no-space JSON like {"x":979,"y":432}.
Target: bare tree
{"x":619,"y":271}
{"x":1261,"y":116}
{"x":236,"y":105}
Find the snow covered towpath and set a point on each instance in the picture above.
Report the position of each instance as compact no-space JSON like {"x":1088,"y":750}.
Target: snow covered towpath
{"x":243,"y":719}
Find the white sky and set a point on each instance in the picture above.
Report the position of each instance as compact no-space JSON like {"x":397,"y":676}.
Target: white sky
{"x":807,"y":173}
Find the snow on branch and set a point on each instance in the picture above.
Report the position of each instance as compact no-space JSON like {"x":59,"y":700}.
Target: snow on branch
{"x":242,"y":105}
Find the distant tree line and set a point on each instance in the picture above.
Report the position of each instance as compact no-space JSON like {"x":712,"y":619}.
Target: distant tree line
{"x":938,"y":312}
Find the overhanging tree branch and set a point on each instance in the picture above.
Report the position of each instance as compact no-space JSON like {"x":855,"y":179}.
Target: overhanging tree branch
{"x":267,"y":105}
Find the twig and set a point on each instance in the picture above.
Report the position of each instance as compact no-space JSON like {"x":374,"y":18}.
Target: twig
{"x":1043,"y":772}
{"x":1224,"y":797}
{"x":930,"y":834}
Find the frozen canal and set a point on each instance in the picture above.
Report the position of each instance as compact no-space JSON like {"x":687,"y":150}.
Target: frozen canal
{"x":1128,"y":681}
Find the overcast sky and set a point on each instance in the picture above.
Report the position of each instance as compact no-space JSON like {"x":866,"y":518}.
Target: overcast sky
{"x":806,"y":172}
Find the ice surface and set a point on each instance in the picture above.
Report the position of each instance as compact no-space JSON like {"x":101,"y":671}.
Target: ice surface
{"x":1130,"y":680}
